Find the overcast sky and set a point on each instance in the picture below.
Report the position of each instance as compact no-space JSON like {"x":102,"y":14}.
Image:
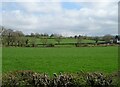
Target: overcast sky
{"x":66,"y":18}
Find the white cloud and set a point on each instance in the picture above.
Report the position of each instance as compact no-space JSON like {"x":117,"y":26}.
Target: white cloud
{"x":50,"y":17}
{"x":43,"y":7}
{"x":60,"y":1}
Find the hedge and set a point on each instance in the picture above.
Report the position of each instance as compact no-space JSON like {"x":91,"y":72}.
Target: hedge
{"x":81,"y":79}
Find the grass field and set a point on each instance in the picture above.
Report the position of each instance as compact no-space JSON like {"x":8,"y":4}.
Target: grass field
{"x":63,"y":40}
{"x":50,"y":60}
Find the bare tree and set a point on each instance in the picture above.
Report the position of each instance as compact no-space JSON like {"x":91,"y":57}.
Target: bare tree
{"x":32,"y":35}
{"x":58,"y":38}
{"x":33,"y":41}
{"x":37,"y":35}
{"x":79,"y":39}
{"x":107,"y":38}
{"x":96,"y":39}
{"x":10,"y":37}
{"x":44,"y":40}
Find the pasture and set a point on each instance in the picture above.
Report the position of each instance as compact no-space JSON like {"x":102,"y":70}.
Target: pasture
{"x":63,"y":40}
{"x":64,"y":59}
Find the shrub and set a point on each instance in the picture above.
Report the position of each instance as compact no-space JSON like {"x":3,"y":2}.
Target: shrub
{"x":23,"y":78}
{"x":50,"y":45}
{"x":62,"y":80}
{"x":98,"y":79}
{"x":32,"y":79}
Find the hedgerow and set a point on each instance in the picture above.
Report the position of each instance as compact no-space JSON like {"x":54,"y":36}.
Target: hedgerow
{"x":33,"y":79}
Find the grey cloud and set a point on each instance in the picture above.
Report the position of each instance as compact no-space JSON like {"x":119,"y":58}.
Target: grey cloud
{"x":93,"y":19}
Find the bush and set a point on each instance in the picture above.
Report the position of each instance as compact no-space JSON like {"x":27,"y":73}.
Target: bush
{"x":50,"y":45}
{"x":32,"y":79}
{"x":98,"y":79}
{"x":77,"y":44}
{"x":81,"y":45}
{"x":23,"y":78}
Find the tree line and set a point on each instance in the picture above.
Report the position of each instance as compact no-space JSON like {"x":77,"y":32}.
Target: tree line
{"x":10,"y":37}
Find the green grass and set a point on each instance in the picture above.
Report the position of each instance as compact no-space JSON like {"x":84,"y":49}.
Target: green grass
{"x":65,"y":40}
{"x":50,"y":60}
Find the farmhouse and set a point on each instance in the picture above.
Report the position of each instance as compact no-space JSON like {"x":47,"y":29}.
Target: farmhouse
{"x":116,"y":39}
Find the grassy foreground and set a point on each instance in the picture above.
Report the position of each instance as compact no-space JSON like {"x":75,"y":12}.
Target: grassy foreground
{"x":50,"y":60}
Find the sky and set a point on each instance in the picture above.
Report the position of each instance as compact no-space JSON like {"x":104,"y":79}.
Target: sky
{"x":66,"y":18}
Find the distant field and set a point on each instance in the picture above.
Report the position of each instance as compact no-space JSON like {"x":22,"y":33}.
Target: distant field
{"x":65,"y":40}
{"x":52,"y":60}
